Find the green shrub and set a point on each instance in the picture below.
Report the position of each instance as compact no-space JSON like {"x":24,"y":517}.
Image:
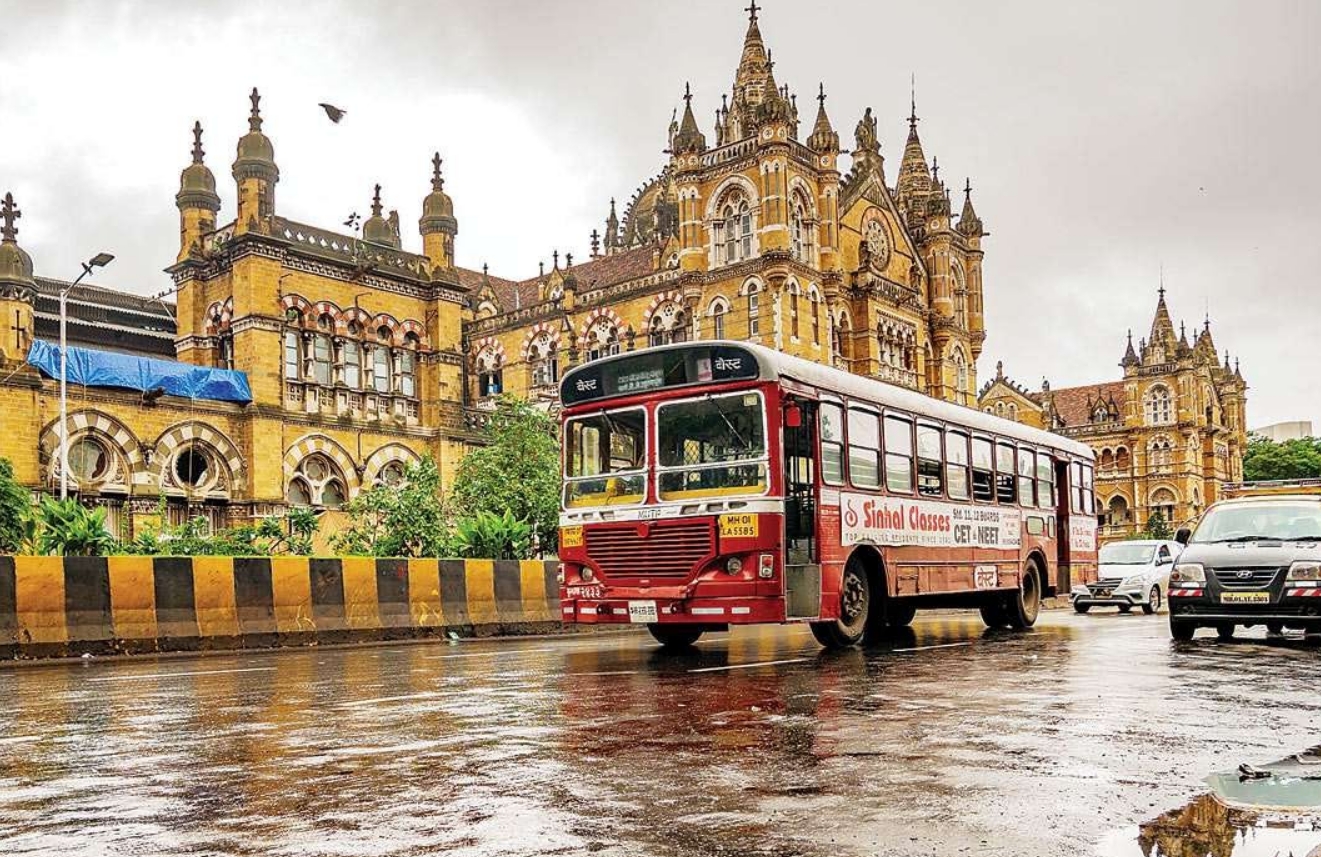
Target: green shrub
{"x":68,"y":528}
{"x":407,"y":519}
{"x":15,"y":506}
{"x":487,"y":535}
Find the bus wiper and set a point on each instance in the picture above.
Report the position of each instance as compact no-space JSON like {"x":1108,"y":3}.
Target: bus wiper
{"x":715,"y":404}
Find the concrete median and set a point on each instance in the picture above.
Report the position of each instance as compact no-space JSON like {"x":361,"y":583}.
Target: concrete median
{"x":63,"y":606}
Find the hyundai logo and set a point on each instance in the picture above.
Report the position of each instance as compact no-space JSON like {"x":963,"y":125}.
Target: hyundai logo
{"x":1244,"y":575}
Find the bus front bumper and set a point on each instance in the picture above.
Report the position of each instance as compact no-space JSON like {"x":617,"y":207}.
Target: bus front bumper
{"x":673,"y":611}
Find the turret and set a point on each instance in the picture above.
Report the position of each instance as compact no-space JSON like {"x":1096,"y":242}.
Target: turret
{"x":689,"y":138}
{"x":18,"y":289}
{"x":823,"y":138}
{"x":969,"y":223}
{"x":611,"y":229}
{"x":196,"y":200}
{"x":255,"y":172}
{"x":377,"y":229}
{"x":914,"y":181}
{"x":438,"y":225}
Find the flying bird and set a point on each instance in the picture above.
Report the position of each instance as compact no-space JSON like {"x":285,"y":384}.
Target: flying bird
{"x":333,"y":112}
{"x":352,"y":222}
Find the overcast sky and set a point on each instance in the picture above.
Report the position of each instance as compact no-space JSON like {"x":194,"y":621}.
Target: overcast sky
{"x":1103,"y":139}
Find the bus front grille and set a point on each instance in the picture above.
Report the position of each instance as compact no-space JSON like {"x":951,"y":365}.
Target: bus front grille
{"x":667,"y":550}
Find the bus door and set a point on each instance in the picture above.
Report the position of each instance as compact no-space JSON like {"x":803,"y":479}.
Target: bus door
{"x":800,"y":536}
{"x":1064,"y":490}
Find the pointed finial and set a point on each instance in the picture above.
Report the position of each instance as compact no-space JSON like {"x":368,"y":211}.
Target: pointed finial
{"x":724,"y":102}
{"x":770,"y":59}
{"x":1130,"y":336}
{"x":541,"y":268}
{"x":197,"y":143}
{"x":687,"y":93}
{"x":555,"y":254}
{"x":935,"y":171}
{"x":254,"y":120}
{"x":1183,"y":329}
{"x":912,"y":115}
{"x":1206,"y":325}
{"x":1162,"y":281}
{"x":486,"y":271}
{"x":821,"y":94}
{"x":967,"y":187}
{"x":568,"y":260}
{"x":437,"y":180}
{"x":9,"y":213}
{"x":596,"y":243}
{"x":376,"y":202}
{"x":752,"y":12}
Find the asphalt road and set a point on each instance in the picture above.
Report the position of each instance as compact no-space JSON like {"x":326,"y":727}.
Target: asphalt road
{"x":948,"y":741}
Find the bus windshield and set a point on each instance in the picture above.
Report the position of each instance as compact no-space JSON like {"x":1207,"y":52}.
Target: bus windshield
{"x":605,"y":459}
{"x":712,"y":447}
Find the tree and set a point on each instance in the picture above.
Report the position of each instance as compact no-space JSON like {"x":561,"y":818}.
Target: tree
{"x":517,"y":471}
{"x":1293,"y":459}
{"x":1158,"y":527}
{"x":14,"y":507}
{"x":405,"y":519}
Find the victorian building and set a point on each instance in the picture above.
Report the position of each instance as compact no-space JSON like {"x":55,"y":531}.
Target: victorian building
{"x":361,"y":355}
{"x":1167,"y":436}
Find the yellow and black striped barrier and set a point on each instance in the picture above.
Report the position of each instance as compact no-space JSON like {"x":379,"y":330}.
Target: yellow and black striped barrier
{"x":55,"y":606}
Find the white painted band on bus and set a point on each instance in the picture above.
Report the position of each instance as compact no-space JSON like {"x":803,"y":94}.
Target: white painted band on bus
{"x":707,"y":611}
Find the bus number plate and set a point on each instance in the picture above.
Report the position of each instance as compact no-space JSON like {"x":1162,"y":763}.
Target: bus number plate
{"x":738,"y":526}
{"x":642,"y":611}
{"x":571,"y":537}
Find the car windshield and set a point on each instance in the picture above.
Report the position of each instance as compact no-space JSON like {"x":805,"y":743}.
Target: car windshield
{"x":712,"y":446}
{"x":1122,"y":553}
{"x":1250,"y":522}
{"x":605,"y":457}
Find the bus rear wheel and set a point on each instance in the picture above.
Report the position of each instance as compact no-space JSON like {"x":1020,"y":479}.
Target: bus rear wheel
{"x":675,"y":636}
{"x":854,"y":605}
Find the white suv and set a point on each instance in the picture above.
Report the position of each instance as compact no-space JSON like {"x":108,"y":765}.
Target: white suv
{"x":1132,"y":574}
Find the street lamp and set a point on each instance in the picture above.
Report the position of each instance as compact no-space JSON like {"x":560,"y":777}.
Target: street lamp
{"x":100,"y":260}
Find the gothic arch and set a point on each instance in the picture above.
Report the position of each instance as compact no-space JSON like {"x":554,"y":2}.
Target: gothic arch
{"x":125,"y":466}
{"x":388,"y":454}
{"x":750,"y":285}
{"x":311,"y":444}
{"x":541,"y":327}
{"x":722,"y":192}
{"x":215,"y":445}
{"x":219,"y":316}
{"x":595,"y":316}
{"x":674,"y":297}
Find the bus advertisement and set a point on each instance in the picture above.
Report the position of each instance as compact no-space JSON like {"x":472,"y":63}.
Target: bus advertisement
{"x":718,"y":483}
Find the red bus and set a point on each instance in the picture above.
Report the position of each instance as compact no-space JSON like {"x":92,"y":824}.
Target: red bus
{"x":718,"y":483}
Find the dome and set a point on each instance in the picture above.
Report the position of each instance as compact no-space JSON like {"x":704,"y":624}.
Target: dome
{"x":256,"y":155}
{"x":438,"y":204}
{"x":377,"y":230}
{"x":15,"y":264}
{"x":198,"y":178}
{"x":256,"y":146}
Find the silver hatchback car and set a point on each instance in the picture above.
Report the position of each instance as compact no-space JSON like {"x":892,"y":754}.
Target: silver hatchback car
{"x":1131,"y":574}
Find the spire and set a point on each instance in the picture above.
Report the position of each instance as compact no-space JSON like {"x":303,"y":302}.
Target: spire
{"x":376,"y":201}
{"x":254,"y":118}
{"x":969,"y":223}
{"x":1130,"y":356}
{"x":256,"y":155}
{"x":823,"y":139}
{"x":689,"y":139}
{"x":197,"y":185}
{"x":1162,"y":327}
{"x":914,"y":179}
{"x":754,"y":62}
{"x":1238,"y":373}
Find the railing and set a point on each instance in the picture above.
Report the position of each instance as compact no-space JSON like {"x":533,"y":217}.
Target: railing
{"x":350,"y":249}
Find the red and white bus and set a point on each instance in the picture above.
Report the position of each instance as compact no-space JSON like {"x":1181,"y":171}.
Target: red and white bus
{"x":719,"y":483}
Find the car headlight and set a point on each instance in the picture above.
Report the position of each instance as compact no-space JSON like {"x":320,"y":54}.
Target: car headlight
{"x":1134,"y":580}
{"x":1306,"y":570}
{"x":1188,"y":572}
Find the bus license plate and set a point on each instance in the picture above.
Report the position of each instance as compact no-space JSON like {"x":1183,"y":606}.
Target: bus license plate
{"x":741,"y":526}
{"x":642,"y":611}
{"x":1245,"y":598}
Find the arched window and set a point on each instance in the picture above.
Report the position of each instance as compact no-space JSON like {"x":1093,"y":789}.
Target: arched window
{"x":961,"y":377}
{"x":668,"y":324}
{"x":352,"y":363}
{"x":793,"y":309}
{"x":490,"y":373}
{"x":1117,"y":512}
{"x":999,"y":409}
{"x":381,"y":368}
{"x":1107,"y":461}
{"x":321,"y":357}
{"x":391,"y":474}
{"x":754,"y":310}
{"x":293,"y":350}
{"x":1164,"y":501}
{"x":796,"y":229}
{"x":1160,"y":455}
{"x":718,"y":309}
{"x":841,"y":341}
{"x":1158,"y":407}
{"x":1123,"y":458}
{"x":1013,"y":411}
{"x":89,"y":460}
{"x":731,"y":235}
{"x":317,"y":482}
{"x":602,"y":339}
{"x":408,"y":365}
{"x":745,"y":231}
{"x":815,"y":297}
{"x":543,"y":361}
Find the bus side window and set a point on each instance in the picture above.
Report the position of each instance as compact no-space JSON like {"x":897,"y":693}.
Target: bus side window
{"x":1027,"y":470}
{"x":1088,"y":494}
{"x":864,"y":449}
{"x":898,"y":455}
{"x":930,"y":481}
{"x":1005,"y":487}
{"x":1075,"y":501}
{"x":1045,"y":481}
{"x":832,"y":444}
{"x":983,"y":471}
{"x":956,"y":465}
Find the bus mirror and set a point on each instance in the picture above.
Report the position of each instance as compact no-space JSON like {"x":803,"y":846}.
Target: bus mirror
{"x":793,"y":416}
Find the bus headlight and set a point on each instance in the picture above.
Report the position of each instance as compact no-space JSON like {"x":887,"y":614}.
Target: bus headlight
{"x":1188,"y":572}
{"x":1307,"y":570}
{"x":585,"y":573}
{"x":560,"y":575}
{"x":733,"y":565}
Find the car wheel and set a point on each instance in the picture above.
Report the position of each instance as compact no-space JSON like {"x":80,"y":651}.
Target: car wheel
{"x":854,"y":605}
{"x":1225,"y":632}
{"x":1181,"y":630}
{"x":674,"y":636}
{"x":1024,"y":606}
{"x":1153,"y":601}
{"x":1081,"y":608}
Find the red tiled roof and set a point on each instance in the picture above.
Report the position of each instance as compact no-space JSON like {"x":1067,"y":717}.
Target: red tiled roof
{"x":596,"y":273}
{"x":1071,"y":403}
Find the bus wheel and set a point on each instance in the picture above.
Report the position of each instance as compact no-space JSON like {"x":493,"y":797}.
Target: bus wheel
{"x":854,"y":604}
{"x":674,"y":636}
{"x":1025,"y":605}
{"x":899,"y":614}
{"x":993,"y":614}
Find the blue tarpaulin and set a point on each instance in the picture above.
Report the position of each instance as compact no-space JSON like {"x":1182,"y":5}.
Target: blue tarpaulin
{"x":91,"y":368}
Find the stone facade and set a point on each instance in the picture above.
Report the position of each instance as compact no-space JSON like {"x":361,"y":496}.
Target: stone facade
{"x":363,"y":356}
{"x":1168,"y":436}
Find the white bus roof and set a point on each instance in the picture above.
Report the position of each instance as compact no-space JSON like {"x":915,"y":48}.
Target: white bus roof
{"x":776,"y":365}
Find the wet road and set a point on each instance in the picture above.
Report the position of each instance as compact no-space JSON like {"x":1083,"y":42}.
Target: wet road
{"x":948,"y":741}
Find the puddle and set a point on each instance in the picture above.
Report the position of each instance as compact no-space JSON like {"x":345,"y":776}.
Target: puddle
{"x":1270,"y":811}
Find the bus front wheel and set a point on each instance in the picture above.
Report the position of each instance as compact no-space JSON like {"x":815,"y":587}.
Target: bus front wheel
{"x":675,"y":636}
{"x":1024,"y":606}
{"x":854,"y":604}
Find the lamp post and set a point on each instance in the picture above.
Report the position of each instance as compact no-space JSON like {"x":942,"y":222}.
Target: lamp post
{"x":100,"y":260}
